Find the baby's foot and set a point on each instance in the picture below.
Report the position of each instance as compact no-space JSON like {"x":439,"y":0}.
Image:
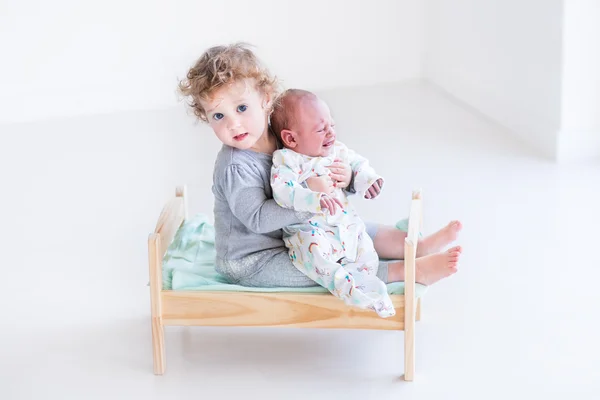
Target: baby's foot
{"x":436,"y":242}
{"x":435,"y":267}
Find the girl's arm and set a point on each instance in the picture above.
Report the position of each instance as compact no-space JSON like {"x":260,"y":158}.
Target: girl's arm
{"x":248,"y":201}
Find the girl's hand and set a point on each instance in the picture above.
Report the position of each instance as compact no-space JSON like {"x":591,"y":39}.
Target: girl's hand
{"x":340,"y":173}
{"x":330,"y":203}
{"x":374,"y":190}
{"x":322,"y":184}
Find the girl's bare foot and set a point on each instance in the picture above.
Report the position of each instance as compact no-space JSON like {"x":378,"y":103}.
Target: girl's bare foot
{"x":434,"y":267}
{"x":437,"y":241}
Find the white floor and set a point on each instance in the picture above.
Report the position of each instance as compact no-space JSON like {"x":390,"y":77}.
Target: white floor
{"x":80,"y":196}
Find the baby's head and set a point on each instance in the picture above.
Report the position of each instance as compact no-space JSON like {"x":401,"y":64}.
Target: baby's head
{"x":304,"y":123}
{"x":231,"y":90}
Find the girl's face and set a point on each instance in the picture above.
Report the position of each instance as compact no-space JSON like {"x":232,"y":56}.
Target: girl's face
{"x":237,"y":113}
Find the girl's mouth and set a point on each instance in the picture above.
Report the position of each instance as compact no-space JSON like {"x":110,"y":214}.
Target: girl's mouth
{"x":239,"y":138}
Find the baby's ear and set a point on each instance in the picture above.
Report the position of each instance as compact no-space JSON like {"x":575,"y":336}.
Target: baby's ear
{"x":288,"y":138}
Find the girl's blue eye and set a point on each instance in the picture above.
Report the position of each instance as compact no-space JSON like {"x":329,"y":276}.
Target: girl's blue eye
{"x":218,"y":116}
{"x":242,"y":108}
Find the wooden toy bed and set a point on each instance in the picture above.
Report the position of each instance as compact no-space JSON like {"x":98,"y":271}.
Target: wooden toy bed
{"x":190,"y":308}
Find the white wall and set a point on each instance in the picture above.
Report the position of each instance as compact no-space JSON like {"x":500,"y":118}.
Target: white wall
{"x":80,"y":192}
{"x":503,"y":58}
{"x":68,"y":57}
{"x":79,"y":197}
{"x":580,"y":132}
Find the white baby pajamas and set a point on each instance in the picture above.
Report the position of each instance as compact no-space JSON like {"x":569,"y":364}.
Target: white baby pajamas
{"x":333,"y":250}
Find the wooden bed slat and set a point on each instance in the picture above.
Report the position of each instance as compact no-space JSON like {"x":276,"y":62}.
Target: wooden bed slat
{"x":171,"y":218}
{"x":272,"y":309}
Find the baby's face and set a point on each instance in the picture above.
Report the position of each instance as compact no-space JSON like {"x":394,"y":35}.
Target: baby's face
{"x":314,"y":128}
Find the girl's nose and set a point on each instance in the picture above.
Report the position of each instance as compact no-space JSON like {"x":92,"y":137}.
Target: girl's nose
{"x":233,"y":123}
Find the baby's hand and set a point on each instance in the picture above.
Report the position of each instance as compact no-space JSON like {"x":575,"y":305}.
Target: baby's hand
{"x":374,"y":189}
{"x":330,"y":203}
{"x":322,"y":184}
{"x":340,"y":173}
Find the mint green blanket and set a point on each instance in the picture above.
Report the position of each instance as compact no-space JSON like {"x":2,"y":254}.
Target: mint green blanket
{"x":189,"y":263}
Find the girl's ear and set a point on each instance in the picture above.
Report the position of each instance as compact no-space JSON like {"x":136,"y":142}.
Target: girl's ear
{"x":289,"y":138}
{"x":266,"y":101}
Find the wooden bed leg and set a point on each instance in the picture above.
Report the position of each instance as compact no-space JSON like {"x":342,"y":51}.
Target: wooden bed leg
{"x":409,"y":311}
{"x":418,"y":312}
{"x":410,"y":314}
{"x":158,"y":333}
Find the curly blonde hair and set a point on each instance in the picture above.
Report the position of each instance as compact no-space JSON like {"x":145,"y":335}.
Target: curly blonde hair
{"x":222,"y":65}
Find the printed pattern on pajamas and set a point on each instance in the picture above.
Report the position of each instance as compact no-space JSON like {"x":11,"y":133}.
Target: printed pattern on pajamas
{"x":333,"y":250}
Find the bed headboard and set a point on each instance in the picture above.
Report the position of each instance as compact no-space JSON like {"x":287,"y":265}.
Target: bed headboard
{"x":172,"y":216}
